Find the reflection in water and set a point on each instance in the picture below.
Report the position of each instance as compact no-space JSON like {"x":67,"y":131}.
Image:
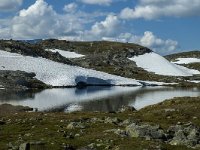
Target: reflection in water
{"x":9,"y":95}
{"x":96,"y":98}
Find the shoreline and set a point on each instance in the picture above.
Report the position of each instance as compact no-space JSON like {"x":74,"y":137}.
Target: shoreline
{"x":89,"y":129}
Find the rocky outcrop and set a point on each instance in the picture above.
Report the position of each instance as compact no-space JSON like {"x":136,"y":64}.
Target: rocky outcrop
{"x":19,"y":80}
{"x":181,"y":134}
{"x":185,"y":134}
{"x":145,"y":131}
{"x":190,"y":54}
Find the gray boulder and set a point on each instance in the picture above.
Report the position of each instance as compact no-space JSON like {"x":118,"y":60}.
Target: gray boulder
{"x":145,"y":131}
{"x":186,"y":134}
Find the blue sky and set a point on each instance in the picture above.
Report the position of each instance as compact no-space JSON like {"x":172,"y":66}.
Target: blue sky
{"x":166,"y":26}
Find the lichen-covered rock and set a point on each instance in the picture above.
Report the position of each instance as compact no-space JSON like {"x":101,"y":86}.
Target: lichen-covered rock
{"x":74,"y":125}
{"x":114,"y":120}
{"x":186,"y":134}
{"x":144,"y":131}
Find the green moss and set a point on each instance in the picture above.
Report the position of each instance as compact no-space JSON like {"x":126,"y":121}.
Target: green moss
{"x":51,"y":128}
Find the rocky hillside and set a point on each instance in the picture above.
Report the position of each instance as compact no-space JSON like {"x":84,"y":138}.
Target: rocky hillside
{"x":27,"y":49}
{"x":109,"y":57}
{"x":191,"y":54}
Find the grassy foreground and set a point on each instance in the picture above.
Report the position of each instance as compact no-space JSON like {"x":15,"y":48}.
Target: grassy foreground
{"x":56,"y":130}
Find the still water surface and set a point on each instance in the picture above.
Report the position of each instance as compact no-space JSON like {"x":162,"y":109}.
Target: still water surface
{"x":95,"y":98}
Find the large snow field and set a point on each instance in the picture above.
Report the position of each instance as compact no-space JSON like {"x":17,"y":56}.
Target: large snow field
{"x":186,"y":60}
{"x":58,"y":74}
{"x":153,"y":62}
{"x":66,"y":54}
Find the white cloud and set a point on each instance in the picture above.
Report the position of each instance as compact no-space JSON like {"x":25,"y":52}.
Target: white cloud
{"x":97,"y":2}
{"x":153,"y":9}
{"x":70,"y":7}
{"x":10,"y":5}
{"x":157,"y":44}
{"x":148,"y":40}
{"x":108,"y":27}
{"x":40,"y":20}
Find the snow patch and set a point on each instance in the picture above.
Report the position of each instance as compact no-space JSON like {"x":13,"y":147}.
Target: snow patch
{"x":58,"y":74}
{"x":73,"y":108}
{"x":66,"y":54}
{"x":153,"y":62}
{"x":186,"y":60}
{"x":194,"y":81}
{"x":155,"y":83}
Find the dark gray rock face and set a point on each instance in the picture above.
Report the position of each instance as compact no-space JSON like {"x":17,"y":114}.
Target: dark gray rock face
{"x":19,"y":80}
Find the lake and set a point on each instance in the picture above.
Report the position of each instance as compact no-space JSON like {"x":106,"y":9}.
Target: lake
{"x":95,"y":98}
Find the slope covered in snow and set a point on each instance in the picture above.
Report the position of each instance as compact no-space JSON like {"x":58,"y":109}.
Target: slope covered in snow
{"x":66,"y":54}
{"x":153,"y":62}
{"x":186,"y":60}
{"x":57,"y":74}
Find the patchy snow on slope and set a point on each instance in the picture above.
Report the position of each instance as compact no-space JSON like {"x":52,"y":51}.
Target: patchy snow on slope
{"x":66,"y":54}
{"x":155,"y":83}
{"x":153,"y":62}
{"x":194,"y":81}
{"x":58,"y":74}
{"x":186,"y":60}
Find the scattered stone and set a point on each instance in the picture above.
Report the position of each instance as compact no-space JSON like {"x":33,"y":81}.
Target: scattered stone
{"x":92,"y":145}
{"x":27,"y":134}
{"x":77,"y":135}
{"x":95,"y":120}
{"x":69,"y":147}
{"x":24,"y":146}
{"x":153,"y":132}
{"x":74,"y":125}
{"x":184,"y":134}
{"x":128,"y":122}
{"x":114,"y":120}
{"x":170,"y":110}
{"x":119,"y":132}
{"x":126,"y":108}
